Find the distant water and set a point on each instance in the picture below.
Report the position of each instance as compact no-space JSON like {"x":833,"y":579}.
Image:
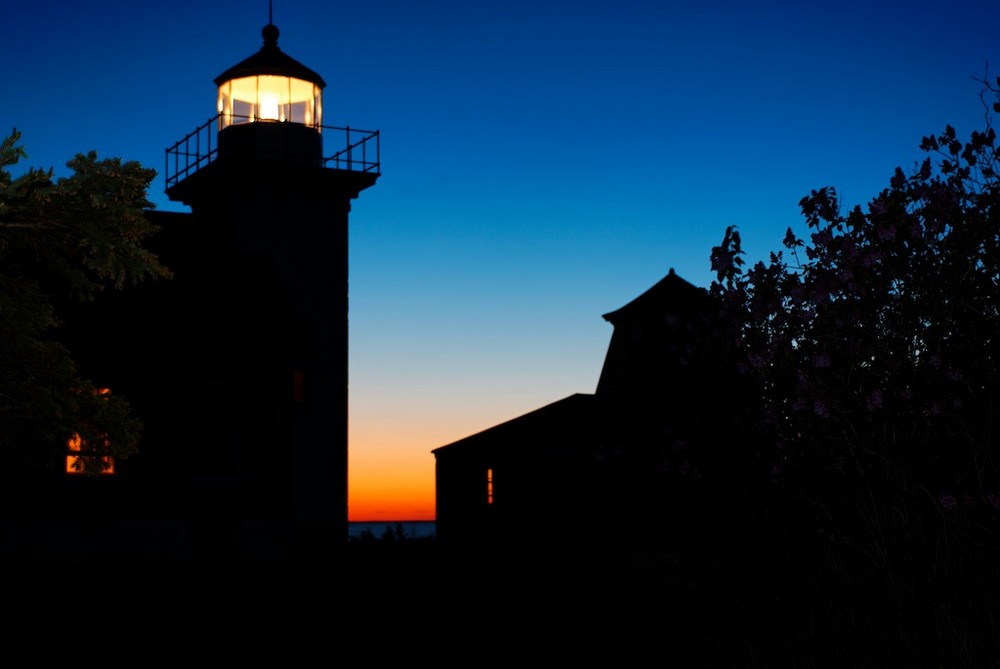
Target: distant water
{"x":412,"y":529}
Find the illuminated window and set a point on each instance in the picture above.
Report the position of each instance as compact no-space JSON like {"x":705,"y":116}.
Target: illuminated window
{"x":299,"y":386}
{"x":489,"y":485}
{"x":267,"y":97}
{"x":82,"y":458}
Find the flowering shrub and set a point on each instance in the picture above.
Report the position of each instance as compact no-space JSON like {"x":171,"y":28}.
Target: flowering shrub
{"x":874,"y":343}
{"x":879,"y":335}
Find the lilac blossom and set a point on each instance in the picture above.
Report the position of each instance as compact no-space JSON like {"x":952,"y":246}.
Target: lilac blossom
{"x":874,"y":400}
{"x":947,"y":501}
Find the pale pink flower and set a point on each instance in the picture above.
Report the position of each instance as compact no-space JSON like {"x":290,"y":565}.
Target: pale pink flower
{"x":947,"y":501}
{"x":874,"y":400}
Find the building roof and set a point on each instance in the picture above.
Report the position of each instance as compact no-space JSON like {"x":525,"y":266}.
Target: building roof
{"x":670,"y":294}
{"x":631,"y":366}
{"x":576,"y":413}
{"x":270,"y":60}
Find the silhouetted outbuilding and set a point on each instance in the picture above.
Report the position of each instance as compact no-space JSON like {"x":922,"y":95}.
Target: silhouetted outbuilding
{"x":598,"y":467}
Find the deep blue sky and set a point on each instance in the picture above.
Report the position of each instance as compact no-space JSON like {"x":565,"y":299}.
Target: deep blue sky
{"x":544,"y":162}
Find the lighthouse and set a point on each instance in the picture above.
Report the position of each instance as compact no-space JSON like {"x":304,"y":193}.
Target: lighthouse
{"x":270,"y":188}
{"x":237,"y":365}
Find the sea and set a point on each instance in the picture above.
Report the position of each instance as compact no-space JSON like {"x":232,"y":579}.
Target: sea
{"x":412,"y":529}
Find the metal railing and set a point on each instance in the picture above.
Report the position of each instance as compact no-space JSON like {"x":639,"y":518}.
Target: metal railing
{"x":196,"y":150}
{"x":359,"y":151}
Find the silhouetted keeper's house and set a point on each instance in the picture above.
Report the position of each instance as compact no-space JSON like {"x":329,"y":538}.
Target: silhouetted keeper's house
{"x":238,"y":365}
{"x":599,"y":466}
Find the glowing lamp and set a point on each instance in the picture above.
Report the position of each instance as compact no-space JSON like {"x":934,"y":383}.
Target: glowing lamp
{"x":270,"y":86}
{"x":268,"y":97}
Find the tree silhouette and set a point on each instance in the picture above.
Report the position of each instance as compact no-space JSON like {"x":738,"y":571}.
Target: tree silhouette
{"x":61,"y":240}
{"x":874,"y":344}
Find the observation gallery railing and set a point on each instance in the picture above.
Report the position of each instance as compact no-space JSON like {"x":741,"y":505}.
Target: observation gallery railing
{"x":358,"y":152}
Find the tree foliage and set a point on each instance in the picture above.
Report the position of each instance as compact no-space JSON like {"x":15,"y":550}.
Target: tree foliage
{"x":874,"y":343}
{"x":63,"y":239}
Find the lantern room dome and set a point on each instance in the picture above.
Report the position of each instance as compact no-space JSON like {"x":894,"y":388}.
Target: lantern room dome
{"x":270,"y":60}
{"x":270,"y":86}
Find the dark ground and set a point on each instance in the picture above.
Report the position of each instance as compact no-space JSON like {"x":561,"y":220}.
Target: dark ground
{"x":418,"y":603}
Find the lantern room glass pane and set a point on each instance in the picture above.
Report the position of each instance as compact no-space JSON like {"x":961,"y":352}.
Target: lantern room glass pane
{"x":269,"y":97}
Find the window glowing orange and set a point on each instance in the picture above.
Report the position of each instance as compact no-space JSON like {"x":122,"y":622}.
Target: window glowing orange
{"x":489,"y":485}
{"x":299,"y":386}
{"x":81,"y":458}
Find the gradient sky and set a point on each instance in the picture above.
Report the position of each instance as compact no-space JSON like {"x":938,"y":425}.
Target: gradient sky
{"x":543,"y":162}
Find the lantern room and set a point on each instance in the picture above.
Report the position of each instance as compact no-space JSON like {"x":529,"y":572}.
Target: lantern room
{"x":270,"y":86}
{"x":268,"y":97}
{"x":270,"y":107}
{"x":270,"y":112}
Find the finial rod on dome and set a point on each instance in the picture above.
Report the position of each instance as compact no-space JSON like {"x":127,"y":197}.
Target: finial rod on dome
{"x":270,"y":86}
{"x":270,"y":32}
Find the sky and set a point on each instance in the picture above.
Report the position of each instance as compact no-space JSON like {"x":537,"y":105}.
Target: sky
{"x":543,"y":162}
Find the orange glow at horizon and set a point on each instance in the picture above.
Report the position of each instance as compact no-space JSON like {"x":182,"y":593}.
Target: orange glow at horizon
{"x":390,"y":491}
{"x":388,"y":481}
{"x":391,"y":473}
{"x":391,"y":469}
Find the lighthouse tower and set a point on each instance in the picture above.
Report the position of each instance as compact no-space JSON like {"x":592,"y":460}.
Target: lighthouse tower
{"x":270,"y":189}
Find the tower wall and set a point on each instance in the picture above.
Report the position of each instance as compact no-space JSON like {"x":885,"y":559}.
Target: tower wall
{"x":297,"y":218}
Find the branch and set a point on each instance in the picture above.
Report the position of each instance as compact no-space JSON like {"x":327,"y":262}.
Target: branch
{"x":39,"y":225}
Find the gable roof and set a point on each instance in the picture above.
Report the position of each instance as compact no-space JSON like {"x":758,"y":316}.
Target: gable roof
{"x":572,"y":415}
{"x":671,"y":293}
{"x":270,"y":60}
